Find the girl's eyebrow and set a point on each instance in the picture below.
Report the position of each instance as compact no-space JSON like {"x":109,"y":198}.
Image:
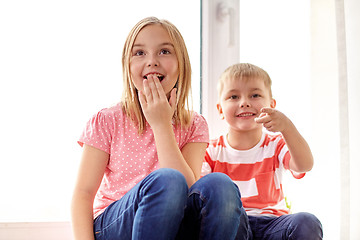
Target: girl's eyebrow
{"x":160,"y":45}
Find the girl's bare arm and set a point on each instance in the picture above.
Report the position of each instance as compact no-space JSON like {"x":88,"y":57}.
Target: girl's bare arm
{"x":91,"y":171}
{"x":159,"y":110}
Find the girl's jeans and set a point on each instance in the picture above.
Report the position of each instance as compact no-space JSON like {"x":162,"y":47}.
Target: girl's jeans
{"x":162,"y":207}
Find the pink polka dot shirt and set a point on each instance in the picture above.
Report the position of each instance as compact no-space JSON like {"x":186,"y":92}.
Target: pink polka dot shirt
{"x":132,"y":156}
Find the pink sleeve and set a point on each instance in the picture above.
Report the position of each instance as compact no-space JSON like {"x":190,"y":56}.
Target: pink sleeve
{"x":199,"y":129}
{"x":98,"y":132}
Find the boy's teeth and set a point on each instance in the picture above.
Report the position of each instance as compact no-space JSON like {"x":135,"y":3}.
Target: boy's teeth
{"x":245,"y":114}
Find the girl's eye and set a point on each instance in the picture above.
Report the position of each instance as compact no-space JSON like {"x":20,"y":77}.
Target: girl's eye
{"x":255,"y":95}
{"x":164,"y":51}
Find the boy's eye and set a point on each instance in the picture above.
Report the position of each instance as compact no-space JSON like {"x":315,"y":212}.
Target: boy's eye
{"x":233,"y":97}
{"x":138,"y":53}
{"x":255,"y":95}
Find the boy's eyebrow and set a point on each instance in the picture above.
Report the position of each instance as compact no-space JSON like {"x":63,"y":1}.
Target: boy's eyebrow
{"x":237,"y":89}
{"x":256,"y":89}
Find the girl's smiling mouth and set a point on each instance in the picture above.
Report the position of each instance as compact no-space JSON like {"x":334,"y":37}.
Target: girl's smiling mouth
{"x":158,"y":75}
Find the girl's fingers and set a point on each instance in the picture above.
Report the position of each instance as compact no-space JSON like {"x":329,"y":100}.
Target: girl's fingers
{"x":159,"y":88}
{"x":172,"y":99}
{"x":142,"y":99}
{"x":147,"y":92}
{"x":153,"y":88}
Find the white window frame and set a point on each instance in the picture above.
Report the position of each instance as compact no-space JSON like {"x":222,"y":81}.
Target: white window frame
{"x":220,"y":49}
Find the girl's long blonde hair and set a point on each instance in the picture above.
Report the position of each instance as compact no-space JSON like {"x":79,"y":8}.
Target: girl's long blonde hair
{"x":130,"y":101}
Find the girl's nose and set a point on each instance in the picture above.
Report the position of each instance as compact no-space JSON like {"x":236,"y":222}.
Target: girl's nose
{"x":152,"y":61}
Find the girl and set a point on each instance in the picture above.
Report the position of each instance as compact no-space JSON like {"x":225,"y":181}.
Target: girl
{"x":141,"y":156}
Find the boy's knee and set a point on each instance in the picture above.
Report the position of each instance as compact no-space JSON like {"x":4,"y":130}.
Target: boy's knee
{"x":308,"y":225}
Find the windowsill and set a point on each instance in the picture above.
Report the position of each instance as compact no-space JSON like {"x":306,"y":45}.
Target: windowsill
{"x":36,"y":230}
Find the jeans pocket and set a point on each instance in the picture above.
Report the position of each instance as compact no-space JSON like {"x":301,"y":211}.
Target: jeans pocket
{"x":98,"y":235}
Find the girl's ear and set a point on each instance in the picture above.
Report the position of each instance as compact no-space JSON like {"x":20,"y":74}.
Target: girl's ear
{"x":273,"y":103}
{"x":218,"y":106}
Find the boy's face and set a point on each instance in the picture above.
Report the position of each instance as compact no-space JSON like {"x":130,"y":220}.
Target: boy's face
{"x":241,"y":101}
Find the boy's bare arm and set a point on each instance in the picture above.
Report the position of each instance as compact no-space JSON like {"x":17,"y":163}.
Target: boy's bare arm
{"x":301,"y":156}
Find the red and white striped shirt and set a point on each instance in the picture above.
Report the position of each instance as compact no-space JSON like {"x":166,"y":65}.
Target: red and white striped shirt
{"x":257,"y":172}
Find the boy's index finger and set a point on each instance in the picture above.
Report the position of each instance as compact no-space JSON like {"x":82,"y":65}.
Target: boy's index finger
{"x":268,"y":110}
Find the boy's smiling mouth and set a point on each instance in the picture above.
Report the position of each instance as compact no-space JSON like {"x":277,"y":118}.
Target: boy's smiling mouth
{"x":246,"y":114}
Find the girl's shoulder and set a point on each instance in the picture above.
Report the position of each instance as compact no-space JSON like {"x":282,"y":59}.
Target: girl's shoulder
{"x":197,"y":119}
{"x":114,"y":111}
{"x":112,"y":115}
{"x":198,"y":130}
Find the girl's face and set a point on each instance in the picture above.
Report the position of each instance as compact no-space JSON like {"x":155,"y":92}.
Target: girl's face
{"x":153,"y":53}
{"x":241,"y":102}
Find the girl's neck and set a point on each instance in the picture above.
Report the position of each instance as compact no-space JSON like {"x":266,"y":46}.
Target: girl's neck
{"x":244,"y":140}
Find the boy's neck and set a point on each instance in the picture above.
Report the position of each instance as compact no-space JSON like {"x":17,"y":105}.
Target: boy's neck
{"x":244,"y":140}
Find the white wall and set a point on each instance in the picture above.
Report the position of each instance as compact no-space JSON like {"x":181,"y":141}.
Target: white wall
{"x":60,"y":62}
{"x":325,"y":143}
{"x":352,"y":23}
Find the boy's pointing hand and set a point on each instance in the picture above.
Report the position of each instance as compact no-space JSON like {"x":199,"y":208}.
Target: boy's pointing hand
{"x":272,"y":119}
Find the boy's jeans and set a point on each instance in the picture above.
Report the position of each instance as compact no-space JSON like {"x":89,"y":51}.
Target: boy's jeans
{"x":162,"y":207}
{"x":292,"y":226}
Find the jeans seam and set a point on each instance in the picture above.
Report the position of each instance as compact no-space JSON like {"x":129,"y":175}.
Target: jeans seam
{"x":103,"y":229}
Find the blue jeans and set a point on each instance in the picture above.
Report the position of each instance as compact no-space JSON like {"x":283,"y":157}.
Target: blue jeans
{"x":162,"y":207}
{"x":292,"y":226}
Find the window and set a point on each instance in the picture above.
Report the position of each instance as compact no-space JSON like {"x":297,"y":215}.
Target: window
{"x":308,"y":48}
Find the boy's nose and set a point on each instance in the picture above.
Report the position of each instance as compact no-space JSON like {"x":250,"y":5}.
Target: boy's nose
{"x":244,"y":103}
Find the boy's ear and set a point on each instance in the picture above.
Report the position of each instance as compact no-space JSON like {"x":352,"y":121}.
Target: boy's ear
{"x":218,"y":106}
{"x":273,"y":103}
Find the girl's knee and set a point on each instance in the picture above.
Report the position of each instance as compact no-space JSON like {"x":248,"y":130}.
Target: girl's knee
{"x":168,"y":181}
{"x":220,"y":184}
{"x":168,"y":174}
{"x":220,"y":189}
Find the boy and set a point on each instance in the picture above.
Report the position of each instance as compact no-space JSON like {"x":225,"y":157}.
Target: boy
{"x":255,"y":160}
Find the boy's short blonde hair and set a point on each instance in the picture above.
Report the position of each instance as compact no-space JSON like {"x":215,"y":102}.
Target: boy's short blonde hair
{"x":245,"y":71}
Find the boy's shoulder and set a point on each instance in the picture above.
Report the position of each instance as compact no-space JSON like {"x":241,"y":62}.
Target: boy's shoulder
{"x":266,"y":139}
{"x":272,"y":138}
{"x":218,"y":142}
